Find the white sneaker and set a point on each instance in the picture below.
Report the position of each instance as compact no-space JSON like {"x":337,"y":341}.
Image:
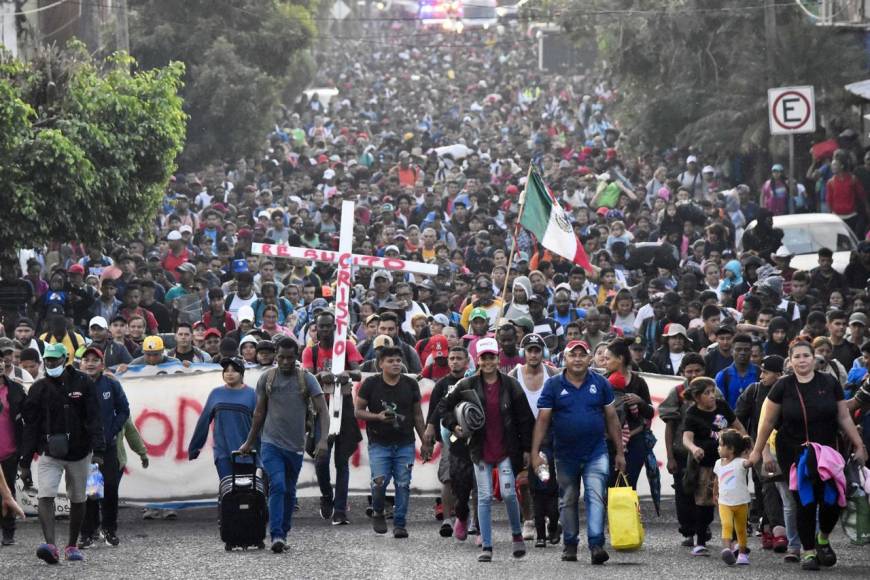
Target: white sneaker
{"x":150,"y":514}
{"x":529,"y":530}
{"x":169,"y":514}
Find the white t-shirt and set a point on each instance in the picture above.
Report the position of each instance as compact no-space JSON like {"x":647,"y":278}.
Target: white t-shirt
{"x":676,"y":360}
{"x":733,"y":482}
{"x":531,"y":396}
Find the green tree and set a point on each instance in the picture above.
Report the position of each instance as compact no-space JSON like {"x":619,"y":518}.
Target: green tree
{"x":696,"y":72}
{"x":239,"y":55}
{"x":85,"y":148}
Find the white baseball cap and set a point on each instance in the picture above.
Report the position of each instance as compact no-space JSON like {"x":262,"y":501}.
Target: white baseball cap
{"x":98,"y":321}
{"x":691,"y":159}
{"x":486,"y":345}
{"x":246,"y":313}
{"x":173,"y":236}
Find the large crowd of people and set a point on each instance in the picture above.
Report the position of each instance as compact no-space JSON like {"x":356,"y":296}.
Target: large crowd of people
{"x":433,"y":141}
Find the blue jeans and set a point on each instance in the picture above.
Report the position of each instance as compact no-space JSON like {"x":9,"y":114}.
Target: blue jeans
{"x":594,"y":473}
{"x":342,"y":478}
{"x":283,"y":467}
{"x":507,"y":483}
{"x":789,"y":515}
{"x":391,"y":462}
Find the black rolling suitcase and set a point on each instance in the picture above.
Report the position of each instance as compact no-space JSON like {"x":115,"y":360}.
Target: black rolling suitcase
{"x":242,"y":508}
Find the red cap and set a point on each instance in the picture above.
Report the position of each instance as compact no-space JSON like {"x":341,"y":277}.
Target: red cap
{"x":439,"y":345}
{"x":76,"y":269}
{"x":245,"y":234}
{"x":93,"y":350}
{"x":577,"y":343}
{"x":212,"y":332}
{"x":602,"y":211}
{"x":512,"y":189}
{"x":322,"y":158}
{"x":198,"y":323}
{"x":583,"y":170}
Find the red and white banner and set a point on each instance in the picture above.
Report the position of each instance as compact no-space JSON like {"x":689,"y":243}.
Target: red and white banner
{"x":165,"y":409}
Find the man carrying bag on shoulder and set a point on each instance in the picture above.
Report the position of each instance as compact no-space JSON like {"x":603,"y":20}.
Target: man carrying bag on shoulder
{"x":63,"y":425}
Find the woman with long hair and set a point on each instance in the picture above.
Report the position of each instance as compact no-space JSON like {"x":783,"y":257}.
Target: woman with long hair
{"x":633,"y":405}
{"x":803,"y":407}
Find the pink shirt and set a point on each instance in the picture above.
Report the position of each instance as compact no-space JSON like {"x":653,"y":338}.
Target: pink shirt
{"x":7,"y":426}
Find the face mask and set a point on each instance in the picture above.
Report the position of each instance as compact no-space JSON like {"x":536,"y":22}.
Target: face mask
{"x":55,"y":372}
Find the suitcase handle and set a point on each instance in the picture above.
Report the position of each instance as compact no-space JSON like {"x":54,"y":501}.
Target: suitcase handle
{"x":233,"y":463}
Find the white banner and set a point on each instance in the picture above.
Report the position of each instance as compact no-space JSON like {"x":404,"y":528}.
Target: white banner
{"x":166,"y":401}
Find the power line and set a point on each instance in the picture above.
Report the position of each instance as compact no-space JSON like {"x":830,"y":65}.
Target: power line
{"x":40,"y":9}
{"x":409,"y":18}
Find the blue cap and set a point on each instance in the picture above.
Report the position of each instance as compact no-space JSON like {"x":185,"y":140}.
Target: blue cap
{"x":777,"y":167}
{"x":239,"y":266}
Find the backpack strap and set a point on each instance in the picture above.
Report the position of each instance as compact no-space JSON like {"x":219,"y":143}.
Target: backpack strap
{"x":803,"y":410}
{"x":303,"y":386}
{"x":270,"y":380}
{"x":75,"y":342}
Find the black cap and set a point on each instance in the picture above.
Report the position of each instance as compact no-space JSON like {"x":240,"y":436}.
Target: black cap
{"x":234,"y":362}
{"x":266,"y":345}
{"x":532,"y":339}
{"x":229,"y":347}
{"x":772,"y":363}
{"x":724,"y":328}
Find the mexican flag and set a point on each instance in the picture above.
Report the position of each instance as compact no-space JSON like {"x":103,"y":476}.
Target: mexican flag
{"x":545,"y":218}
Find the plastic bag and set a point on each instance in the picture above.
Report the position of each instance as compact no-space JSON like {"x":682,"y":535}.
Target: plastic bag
{"x":623,"y":516}
{"x":95,"y":482}
{"x":856,"y":517}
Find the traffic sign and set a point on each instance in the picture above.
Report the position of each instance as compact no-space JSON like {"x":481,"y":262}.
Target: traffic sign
{"x":791,"y":110}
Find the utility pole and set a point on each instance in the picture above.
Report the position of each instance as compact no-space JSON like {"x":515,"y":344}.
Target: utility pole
{"x":89,"y":27}
{"x":770,"y":39}
{"x":122,"y":30}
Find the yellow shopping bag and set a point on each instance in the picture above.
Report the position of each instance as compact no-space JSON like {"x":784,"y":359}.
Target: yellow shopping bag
{"x":623,"y":516}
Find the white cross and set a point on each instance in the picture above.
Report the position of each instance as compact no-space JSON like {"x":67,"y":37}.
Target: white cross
{"x":345,"y":260}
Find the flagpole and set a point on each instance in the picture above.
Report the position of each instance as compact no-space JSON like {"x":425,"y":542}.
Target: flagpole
{"x":517,"y":231}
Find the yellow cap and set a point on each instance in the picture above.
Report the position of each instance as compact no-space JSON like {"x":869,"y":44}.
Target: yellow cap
{"x":152,"y":344}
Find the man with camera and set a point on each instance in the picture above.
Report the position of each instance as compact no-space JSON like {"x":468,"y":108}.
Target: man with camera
{"x":317,"y":359}
{"x":63,"y":425}
{"x":389,"y":403}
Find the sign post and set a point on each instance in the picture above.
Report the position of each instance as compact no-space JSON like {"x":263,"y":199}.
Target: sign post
{"x":791,"y":110}
{"x":345,"y":260}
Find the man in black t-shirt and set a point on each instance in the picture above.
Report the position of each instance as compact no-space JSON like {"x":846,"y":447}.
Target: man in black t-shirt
{"x":389,"y":403}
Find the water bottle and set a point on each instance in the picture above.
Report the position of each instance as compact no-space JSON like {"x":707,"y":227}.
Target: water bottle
{"x":543,"y":471}
{"x":95,"y":483}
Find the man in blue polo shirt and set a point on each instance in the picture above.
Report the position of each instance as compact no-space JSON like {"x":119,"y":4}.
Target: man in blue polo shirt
{"x":579,"y":403}
{"x":736,"y":377}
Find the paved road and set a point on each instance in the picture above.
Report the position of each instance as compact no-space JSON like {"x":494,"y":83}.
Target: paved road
{"x":190,"y":548}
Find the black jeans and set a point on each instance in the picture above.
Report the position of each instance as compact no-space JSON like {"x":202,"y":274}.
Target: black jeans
{"x":342,"y":477}
{"x":462,"y":483}
{"x":10,"y":472}
{"x":109,"y":504}
{"x":807,"y":515}
{"x":685,"y":502}
{"x":545,"y":499}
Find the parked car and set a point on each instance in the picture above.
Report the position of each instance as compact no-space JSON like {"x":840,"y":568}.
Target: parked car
{"x":804,"y":234}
